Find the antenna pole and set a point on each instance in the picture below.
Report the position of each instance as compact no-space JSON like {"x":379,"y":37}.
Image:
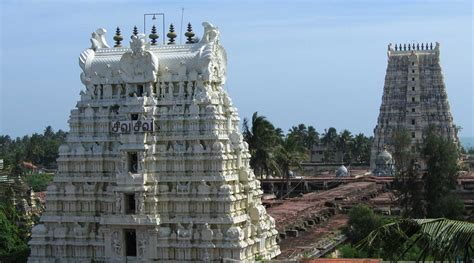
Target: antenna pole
{"x":154,"y":15}
{"x":181,"y":33}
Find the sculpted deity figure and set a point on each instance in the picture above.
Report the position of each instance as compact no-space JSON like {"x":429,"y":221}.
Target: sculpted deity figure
{"x":118,"y":202}
{"x":116,"y":244}
{"x":189,"y":89}
{"x":181,"y":88}
{"x":141,"y":202}
{"x":98,"y":39}
{"x":139,"y":65}
{"x":211,"y":32}
{"x":142,"y":245}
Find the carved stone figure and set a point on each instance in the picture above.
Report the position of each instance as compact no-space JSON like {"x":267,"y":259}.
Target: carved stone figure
{"x":211,"y":33}
{"x":142,"y":245}
{"x":118,"y":202}
{"x":140,"y":65}
{"x":141,"y":202}
{"x":116,"y":244}
{"x":98,"y":39}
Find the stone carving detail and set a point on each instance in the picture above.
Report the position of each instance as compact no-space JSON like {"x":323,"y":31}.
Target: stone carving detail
{"x":116,"y":244}
{"x":98,"y":39}
{"x":141,"y":202}
{"x":142,"y":245}
{"x":139,"y":65}
{"x":118,"y":202}
{"x":183,"y":189}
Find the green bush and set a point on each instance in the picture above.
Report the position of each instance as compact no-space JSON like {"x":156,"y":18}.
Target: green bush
{"x":12,"y":247}
{"x":362,"y":220}
{"x":39,"y":182}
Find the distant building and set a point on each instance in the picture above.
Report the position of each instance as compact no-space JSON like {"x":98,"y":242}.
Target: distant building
{"x":30,"y":167}
{"x":414,"y":98}
{"x":323,"y":154}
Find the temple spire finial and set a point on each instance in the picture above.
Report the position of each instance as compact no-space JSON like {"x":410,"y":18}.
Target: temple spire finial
{"x":189,"y":34}
{"x":135,"y":31}
{"x":118,"y":38}
{"x":153,"y":36}
{"x":171,"y":35}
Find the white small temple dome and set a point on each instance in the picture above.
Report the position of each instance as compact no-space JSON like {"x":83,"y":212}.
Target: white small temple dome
{"x":342,"y":171}
{"x":384,"y":157}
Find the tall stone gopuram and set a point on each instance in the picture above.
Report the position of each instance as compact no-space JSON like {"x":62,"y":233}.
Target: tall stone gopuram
{"x":414,"y":98}
{"x":154,"y":168}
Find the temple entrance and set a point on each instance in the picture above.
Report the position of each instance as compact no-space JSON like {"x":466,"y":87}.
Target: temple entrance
{"x":130,"y":242}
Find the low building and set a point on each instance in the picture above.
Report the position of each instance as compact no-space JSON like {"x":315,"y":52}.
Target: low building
{"x":325,"y":154}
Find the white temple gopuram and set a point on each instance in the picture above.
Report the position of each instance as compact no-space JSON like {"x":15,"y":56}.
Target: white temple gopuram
{"x":154,"y":168}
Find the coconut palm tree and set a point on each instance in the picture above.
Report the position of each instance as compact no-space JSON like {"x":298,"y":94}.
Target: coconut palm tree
{"x":345,"y":139}
{"x":360,"y":148}
{"x":440,"y":238}
{"x":262,"y":138}
{"x":330,"y":139}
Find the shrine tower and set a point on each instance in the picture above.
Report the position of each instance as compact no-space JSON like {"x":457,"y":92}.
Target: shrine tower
{"x":154,"y":167}
{"x":414,"y":98}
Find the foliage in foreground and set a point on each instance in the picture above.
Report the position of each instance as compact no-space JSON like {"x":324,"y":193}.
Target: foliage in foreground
{"x":439,"y":239}
{"x":12,"y":247}
{"x":362,"y":221}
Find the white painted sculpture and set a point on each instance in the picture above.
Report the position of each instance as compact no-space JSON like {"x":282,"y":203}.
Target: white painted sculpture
{"x":154,"y":167}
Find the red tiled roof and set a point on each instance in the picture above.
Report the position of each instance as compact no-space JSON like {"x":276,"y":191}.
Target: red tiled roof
{"x":29,"y":165}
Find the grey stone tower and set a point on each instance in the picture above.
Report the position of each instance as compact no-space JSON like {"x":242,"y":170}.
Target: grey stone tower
{"x":414,"y":96}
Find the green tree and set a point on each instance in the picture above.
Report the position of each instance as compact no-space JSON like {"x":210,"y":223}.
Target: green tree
{"x":262,"y":139}
{"x":330,"y":137}
{"x":401,"y":150}
{"x":362,"y":221}
{"x":40,"y":149}
{"x":439,"y":239}
{"x":10,"y":242}
{"x":441,"y":157}
{"x":408,"y":187}
{"x":360,"y":148}
{"x":330,"y":140}
{"x":343,"y":145}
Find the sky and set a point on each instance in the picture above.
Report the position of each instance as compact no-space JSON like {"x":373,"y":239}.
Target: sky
{"x":321,"y":63}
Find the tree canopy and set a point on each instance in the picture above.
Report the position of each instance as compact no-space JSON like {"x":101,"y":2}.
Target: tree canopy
{"x":39,"y":149}
{"x":274,"y":153}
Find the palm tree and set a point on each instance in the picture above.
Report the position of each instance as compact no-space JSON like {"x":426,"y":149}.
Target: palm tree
{"x":329,"y":140}
{"x":312,"y":137}
{"x":343,"y":143}
{"x":262,"y":138}
{"x":329,"y":137}
{"x":440,"y":238}
{"x":360,"y":148}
